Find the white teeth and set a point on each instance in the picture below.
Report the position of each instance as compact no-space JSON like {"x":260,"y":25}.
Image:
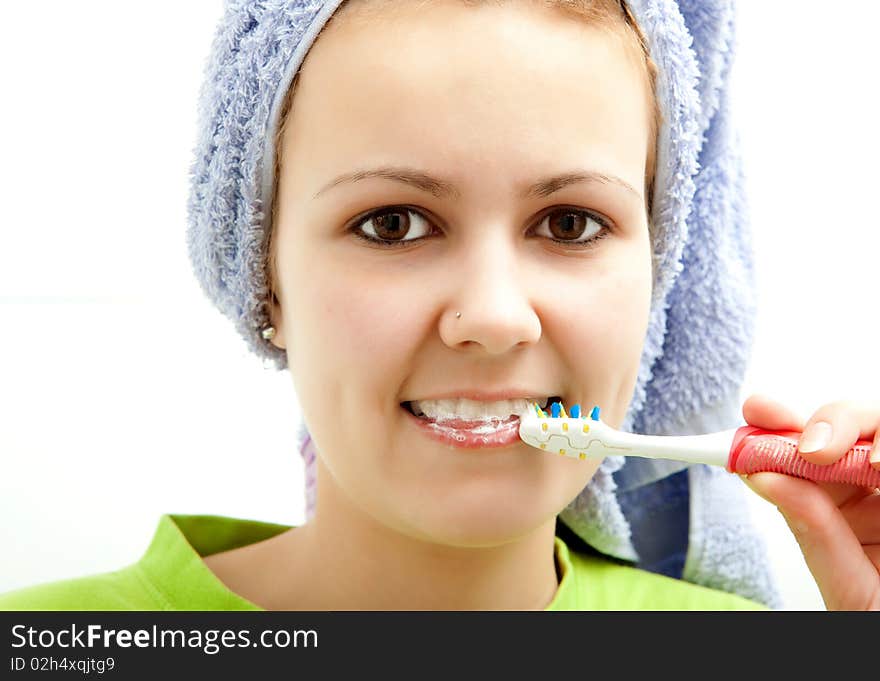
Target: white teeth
{"x":441,"y":410}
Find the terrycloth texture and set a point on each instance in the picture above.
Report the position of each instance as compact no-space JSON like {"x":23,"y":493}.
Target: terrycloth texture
{"x":703,"y":307}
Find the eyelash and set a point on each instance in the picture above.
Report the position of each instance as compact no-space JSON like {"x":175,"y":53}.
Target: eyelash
{"x":391,"y":244}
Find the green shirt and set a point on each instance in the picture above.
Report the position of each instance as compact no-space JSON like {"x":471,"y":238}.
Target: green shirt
{"x":171,"y":575}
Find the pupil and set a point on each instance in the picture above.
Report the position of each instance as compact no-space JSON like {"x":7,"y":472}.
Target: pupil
{"x":566,"y":226}
{"x":390,"y":225}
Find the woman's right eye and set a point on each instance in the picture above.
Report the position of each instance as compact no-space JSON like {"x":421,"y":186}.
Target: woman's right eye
{"x":386,"y":227}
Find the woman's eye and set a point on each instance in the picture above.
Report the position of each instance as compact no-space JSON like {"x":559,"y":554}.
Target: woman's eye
{"x":574,"y":227}
{"x":389,"y":225}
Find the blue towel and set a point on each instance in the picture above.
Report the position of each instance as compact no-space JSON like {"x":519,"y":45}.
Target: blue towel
{"x":688,"y":522}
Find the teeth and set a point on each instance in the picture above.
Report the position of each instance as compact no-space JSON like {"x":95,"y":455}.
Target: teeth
{"x":472,"y":410}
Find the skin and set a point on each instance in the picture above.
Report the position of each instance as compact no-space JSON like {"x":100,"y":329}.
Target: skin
{"x":506,"y":95}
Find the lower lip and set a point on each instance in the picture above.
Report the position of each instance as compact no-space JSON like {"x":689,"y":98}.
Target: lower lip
{"x":475,"y":437}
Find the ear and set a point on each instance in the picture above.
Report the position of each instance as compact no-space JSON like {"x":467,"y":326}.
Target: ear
{"x":277,"y":321}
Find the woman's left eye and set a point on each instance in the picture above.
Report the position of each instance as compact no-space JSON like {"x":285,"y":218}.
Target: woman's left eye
{"x":568,"y":226}
{"x":566,"y":223}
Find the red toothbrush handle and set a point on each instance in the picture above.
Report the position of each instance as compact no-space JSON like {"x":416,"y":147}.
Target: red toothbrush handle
{"x":755,"y":450}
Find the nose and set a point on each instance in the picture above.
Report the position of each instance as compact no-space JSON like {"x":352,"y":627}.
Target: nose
{"x":495,"y":302}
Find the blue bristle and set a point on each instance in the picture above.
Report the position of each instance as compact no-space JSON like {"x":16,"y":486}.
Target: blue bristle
{"x":554,"y":410}
{"x":575,"y":411}
{"x":594,"y":415}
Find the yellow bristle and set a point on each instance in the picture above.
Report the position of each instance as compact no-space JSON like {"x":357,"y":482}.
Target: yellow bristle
{"x":562,"y":413}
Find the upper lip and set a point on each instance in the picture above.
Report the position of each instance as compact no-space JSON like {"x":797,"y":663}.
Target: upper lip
{"x":490,"y":396}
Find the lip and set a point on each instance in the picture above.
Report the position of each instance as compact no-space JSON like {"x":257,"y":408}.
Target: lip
{"x":504,"y":436}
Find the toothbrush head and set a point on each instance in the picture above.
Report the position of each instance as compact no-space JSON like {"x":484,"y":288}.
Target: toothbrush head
{"x":557,"y":410}
{"x":576,"y":436}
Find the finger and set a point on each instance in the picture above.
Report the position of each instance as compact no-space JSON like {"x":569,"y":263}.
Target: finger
{"x":764,"y":412}
{"x":847,"y":423}
{"x":859,"y":505}
{"x":852,"y":502}
{"x":842,"y":493}
{"x":863,"y":516}
{"x":846,"y":578}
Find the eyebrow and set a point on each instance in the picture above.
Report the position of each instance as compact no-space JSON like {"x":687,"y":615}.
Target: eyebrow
{"x":444,"y":189}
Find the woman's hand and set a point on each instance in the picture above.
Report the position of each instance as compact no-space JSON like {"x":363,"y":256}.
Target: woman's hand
{"x":837,"y":526}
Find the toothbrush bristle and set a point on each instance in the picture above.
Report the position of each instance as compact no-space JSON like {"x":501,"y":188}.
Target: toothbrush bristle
{"x":554,"y":410}
{"x":575,"y":411}
{"x":594,"y":415}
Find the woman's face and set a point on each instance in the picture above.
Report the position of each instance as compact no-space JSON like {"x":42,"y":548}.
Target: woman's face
{"x":491,"y":102}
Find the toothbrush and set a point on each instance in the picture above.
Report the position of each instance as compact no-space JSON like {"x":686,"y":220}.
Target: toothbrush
{"x":747,"y":449}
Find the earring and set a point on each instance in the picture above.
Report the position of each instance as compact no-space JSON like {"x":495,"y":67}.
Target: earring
{"x":268,"y":333}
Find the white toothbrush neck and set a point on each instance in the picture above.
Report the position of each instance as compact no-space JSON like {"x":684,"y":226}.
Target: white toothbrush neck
{"x":712,"y":448}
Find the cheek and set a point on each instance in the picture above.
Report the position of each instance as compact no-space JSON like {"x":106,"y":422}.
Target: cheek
{"x":613,"y":309}
{"x":368,"y":322}
{"x":603,"y":340}
{"x":353,"y":327}
{"x":348,"y":357}
{"x":623,"y":310}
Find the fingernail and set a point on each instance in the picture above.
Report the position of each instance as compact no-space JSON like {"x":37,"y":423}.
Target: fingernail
{"x":816,"y":436}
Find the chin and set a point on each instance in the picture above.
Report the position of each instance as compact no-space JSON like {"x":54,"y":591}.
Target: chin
{"x":490,"y":526}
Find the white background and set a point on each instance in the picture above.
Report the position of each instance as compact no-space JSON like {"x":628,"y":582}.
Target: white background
{"x":124,"y":394}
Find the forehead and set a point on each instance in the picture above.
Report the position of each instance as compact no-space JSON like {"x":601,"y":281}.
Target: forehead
{"x":492,"y":87}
